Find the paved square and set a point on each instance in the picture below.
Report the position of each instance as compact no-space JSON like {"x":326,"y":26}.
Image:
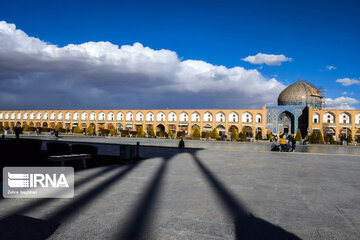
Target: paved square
{"x":202,"y":194}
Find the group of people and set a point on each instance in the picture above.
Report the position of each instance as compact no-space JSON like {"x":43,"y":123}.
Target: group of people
{"x":285,"y":144}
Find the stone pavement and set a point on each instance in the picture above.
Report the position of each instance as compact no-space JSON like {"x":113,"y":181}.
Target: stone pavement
{"x":200,"y":194}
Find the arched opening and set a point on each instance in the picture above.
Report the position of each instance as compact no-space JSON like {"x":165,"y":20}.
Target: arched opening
{"x":160,"y":128}
{"x":344,"y":134}
{"x":231,"y":129}
{"x":259,"y":132}
{"x":195,"y":126}
{"x":45,"y":125}
{"x":357,"y":136}
{"x":286,"y":123}
{"x":221,"y":130}
{"x":18,"y":124}
{"x":31,"y":124}
{"x":248,"y":131}
{"x":329,"y":133}
{"x":207,"y":127}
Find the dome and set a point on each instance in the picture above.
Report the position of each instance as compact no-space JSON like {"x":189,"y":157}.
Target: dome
{"x":300,"y":93}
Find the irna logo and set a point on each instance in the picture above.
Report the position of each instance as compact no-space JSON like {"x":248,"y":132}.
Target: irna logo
{"x":19,"y":180}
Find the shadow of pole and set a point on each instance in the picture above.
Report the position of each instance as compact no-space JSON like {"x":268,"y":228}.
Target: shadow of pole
{"x":139,"y":218}
{"x":247,"y":226}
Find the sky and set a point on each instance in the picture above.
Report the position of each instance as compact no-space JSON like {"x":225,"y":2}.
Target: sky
{"x":175,"y":54}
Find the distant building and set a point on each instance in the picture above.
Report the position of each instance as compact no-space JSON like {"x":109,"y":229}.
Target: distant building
{"x":300,"y":106}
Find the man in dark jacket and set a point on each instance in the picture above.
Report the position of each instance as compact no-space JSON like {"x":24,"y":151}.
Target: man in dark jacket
{"x":17,"y":130}
{"x":181,"y":143}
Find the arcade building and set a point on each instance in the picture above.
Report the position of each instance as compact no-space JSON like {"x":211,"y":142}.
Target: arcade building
{"x":300,"y":106}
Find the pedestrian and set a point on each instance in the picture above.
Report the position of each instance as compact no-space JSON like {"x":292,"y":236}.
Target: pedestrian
{"x":293,"y":142}
{"x":17,"y":130}
{"x":282,"y":143}
{"x":181,"y":143}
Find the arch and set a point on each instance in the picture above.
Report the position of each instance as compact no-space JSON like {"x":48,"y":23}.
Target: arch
{"x":25,"y":116}
{"x":52,"y":116}
{"x":221,"y":130}
{"x":232,"y":127}
{"x":208,"y":117}
{"x":246,"y":117}
{"x":248,"y":131}
{"x":110,"y":116}
{"x":357,"y":118}
{"x":6,"y":115}
{"x":1,"y":115}
{"x":32,"y":116}
{"x":139,"y":117}
{"x":129,"y":116}
{"x":84,"y":116}
{"x":184,"y":117}
{"x":68,"y":116}
{"x":220,"y":117}
{"x":31,"y":124}
{"x":119,"y":116}
{"x":329,"y":117}
{"x":344,"y":133}
{"x":18,"y":116}
{"x":259,"y":131}
{"x":12,"y":115}
{"x":344,"y":118}
{"x":160,"y":117}
{"x":329,"y":132}
{"x":172,"y":117}
{"x":60,"y":116}
{"x":160,"y":128}
{"x":45,"y":125}
{"x":101,"y":116}
{"x":38,"y":116}
{"x":195,"y":117}
{"x":258,"y":118}
{"x":233,"y":117}
{"x":110,"y":126}
{"x":286,"y":122}
{"x":45,"y":116}
{"x":76,"y":116}
{"x":316,"y":118}
{"x":149,"y":117}
{"x":92,"y":116}
{"x":207,"y":127}
{"x":195,"y":126}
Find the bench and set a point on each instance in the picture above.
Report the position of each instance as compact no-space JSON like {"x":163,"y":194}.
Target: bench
{"x":70,"y":157}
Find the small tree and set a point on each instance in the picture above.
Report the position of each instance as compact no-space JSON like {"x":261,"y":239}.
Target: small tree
{"x":313,"y":138}
{"x":171,"y":134}
{"x":332,"y":139}
{"x":112,"y":131}
{"x":298,"y":136}
{"x":349,"y":139}
{"x":1,"y":128}
{"x":196,"y":133}
{"x":6,"y":126}
{"x":89,"y":130}
{"x":214,"y":134}
{"x":152,"y":132}
{"x":77,"y":129}
{"x":234,"y":134}
{"x":319,"y":137}
{"x":140,"y":132}
{"x":26,"y":127}
{"x":205,"y":134}
{"x":242,"y":136}
{"x":57,"y":127}
{"x":258,"y":136}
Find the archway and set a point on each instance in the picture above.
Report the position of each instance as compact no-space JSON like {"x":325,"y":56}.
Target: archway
{"x":45,"y":125}
{"x":160,"y":128}
{"x":259,"y":131}
{"x":221,"y":129}
{"x":344,"y":134}
{"x":329,"y":133}
{"x":248,"y":131}
{"x":286,"y":122}
{"x":231,"y":129}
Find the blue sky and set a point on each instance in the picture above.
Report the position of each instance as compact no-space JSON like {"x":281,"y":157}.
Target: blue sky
{"x":314,"y":34}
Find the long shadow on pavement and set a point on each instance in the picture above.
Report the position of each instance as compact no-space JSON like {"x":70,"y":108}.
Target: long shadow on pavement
{"x":247,"y":226}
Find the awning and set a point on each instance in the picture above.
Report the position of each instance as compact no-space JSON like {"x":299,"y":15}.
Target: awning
{"x":129,"y":126}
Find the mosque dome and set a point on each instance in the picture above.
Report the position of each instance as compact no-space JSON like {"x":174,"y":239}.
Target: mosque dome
{"x":301,"y":93}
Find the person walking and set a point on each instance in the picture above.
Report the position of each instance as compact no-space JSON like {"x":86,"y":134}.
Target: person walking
{"x":17,"y":130}
{"x":282,"y":143}
{"x":181,"y":143}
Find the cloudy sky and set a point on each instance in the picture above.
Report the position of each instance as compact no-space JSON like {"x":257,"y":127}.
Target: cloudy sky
{"x":213,"y":54}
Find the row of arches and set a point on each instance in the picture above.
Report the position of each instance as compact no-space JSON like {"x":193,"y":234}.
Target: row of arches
{"x":330,"y":118}
{"x":219,"y":117}
{"x":342,"y":133}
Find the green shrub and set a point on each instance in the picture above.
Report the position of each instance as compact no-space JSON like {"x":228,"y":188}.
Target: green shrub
{"x":242,"y":136}
{"x":180,"y":134}
{"x":1,"y":128}
{"x":313,"y":138}
{"x":196,"y":133}
{"x":319,"y":137}
{"x":113,"y":131}
{"x":6,"y":126}
{"x":298,"y":136}
{"x":77,"y":129}
{"x":214,"y":134}
{"x":140,"y":132}
{"x":349,"y":139}
{"x":152,"y":132}
{"x":171,"y":134}
{"x":332,"y":140}
{"x":89,"y":130}
{"x":124,"y":133}
{"x":234,"y":134}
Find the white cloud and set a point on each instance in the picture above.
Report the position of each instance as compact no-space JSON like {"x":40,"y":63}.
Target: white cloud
{"x":268,"y":59}
{"x":103,"y":75}
{"x":340,"y":103}
{"x":330,"y":68}
{"x":348,"y":93}
{"x":348,"y":81}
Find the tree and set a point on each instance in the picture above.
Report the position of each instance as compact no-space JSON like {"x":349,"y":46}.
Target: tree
{"x":152,"y":132}
{"x":298,"y":136}
{"x":313,"y":138}
{"x":141,"y":132}
{"x":57,"y":127}
{"x":1,"y":128}
{"x":234,"y":134}
{"x":26,"y":127}
{"x":319,"y":137}
{"x":349,"y":139}
{"x":196,"y":133}
{"x":332,"y":139}
{"x":171,"y":134}
{"x":205,"y":134}
{"x":242,"y":136}
{"x":214,"y":134}
{"x":89,"y":130}
{"x":112,"y":131}
{"x":258,"y":136}
{"x":6,"y":126}
{"x":77,"y":129}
